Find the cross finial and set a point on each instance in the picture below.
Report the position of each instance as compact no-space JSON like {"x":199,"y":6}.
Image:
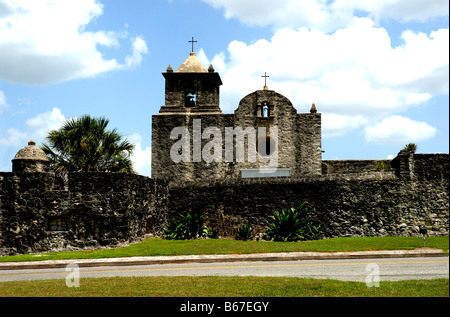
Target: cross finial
{"x":265,"y":80}
{"x":192,"y":41}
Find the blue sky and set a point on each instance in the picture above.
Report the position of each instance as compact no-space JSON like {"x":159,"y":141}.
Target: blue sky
{"x":377,"y":70}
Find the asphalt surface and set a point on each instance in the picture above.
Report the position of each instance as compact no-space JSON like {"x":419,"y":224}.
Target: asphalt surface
{"x":392,"y":269}
{"x":288,"y":256}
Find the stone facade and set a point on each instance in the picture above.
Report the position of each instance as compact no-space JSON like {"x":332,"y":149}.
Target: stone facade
{"x":277,"y":137}
{"x":298,"y":140}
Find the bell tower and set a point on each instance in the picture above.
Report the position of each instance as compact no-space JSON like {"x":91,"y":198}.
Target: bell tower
{"x":191,"y":105}
{"x":191,"y":88}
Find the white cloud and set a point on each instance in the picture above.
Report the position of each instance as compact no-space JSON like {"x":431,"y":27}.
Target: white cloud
{"x":353,"y":72}
{"x":45,"y":42}
{"x":398,"y":130}
{"x":36,"y":129}
{"x":322,"y":53}
{"x":413,"y":10}
{"x":139,"y":48}
{"x":336,"y":125}
{"x":281,"y":13}
{"x":45,"y":122}
{"x":142,"y":157}
{"x":325,"y":15}
{"x":14,"y":138}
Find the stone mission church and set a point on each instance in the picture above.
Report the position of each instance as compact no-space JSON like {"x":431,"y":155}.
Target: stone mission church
{"x":234,"y":168}
{"x":193,"y":140}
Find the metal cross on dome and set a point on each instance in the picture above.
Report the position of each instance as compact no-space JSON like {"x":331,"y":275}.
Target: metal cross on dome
{"x":192,"y":41}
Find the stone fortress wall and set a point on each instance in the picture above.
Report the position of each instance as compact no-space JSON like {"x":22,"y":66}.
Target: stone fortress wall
{"x":348,"y":203}
{"x":95,"y":210}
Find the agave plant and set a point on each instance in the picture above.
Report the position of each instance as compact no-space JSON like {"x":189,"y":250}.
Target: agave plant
{"x":186,"y":227}
{"x":312,"y":230}
{"x":244,"y":232}
{"x":213,"y":233}
{"x":292,"y":224}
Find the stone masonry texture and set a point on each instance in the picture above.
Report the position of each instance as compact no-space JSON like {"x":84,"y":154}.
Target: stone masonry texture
{"x":298,"y":139}
{"x":111,"y":209}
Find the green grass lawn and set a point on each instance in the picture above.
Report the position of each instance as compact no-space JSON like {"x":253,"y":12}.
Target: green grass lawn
{"x":155,"y":247}
{"x":231,"y":286}
{"x":222,"y":287}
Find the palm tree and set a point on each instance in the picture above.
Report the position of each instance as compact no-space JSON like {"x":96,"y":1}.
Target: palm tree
{"x":84,"y":145}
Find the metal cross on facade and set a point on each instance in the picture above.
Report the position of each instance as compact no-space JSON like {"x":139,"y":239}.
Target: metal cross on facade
{"x":265,"y":80}
{"x":192,"y":41}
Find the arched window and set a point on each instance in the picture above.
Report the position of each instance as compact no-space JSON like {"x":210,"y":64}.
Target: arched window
{"x":190,"y":98}
{"x":266,"y":146}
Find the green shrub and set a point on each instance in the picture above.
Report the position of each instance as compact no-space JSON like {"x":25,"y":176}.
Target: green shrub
{"x":213,"y":233}
{"x":244,"y":233}
{"x":410,"y":147}
{"x":293,"y":224}
{"x":186,"y":227}
{"x":381,"y":166}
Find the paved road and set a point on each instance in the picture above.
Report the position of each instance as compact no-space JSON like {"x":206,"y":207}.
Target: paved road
{"x":388,"y":269}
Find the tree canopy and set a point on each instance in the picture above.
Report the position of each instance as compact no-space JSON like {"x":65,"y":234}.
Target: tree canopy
{"x":85,"y":145}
